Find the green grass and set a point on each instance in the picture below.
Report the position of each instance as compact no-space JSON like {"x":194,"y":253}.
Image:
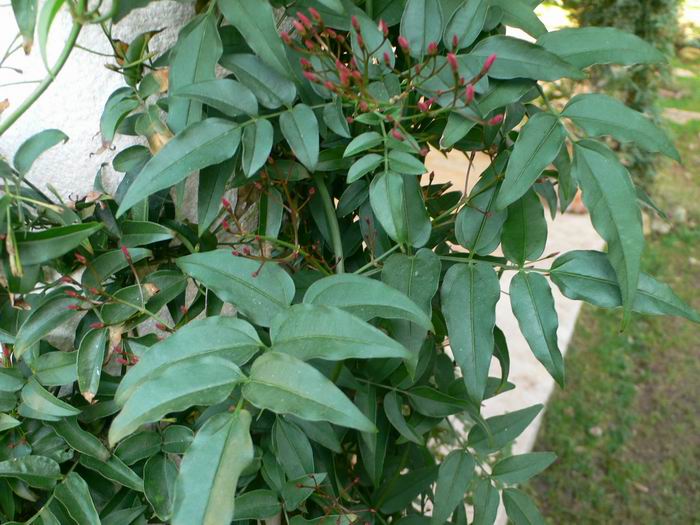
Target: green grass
{"x":627,"y":426}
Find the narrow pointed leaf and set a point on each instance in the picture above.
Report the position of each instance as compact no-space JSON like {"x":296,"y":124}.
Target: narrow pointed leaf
{"x":503,"y":429}
{"x":363,"y":166}
{"x":466,"y":23}
{"x":455,"y":474}
{"x":107,"y":264}
{"x":212,"y":186}
{"x":228,"y":96}
{"x":44,"y":404}
{"x":114,"y":469}
{"x":520,"y":468}
{"x":609,"y":195}
{"x":538,"y":144}
{"x":74,"y":495}
{"x":79,"y":439}
{"x":201,"y":144}
{"x":34,"y":146}
{"x":421,"y":24}
{"x":36,"y":471}
{"x":363,"y":142}
{"x":486,"y":501}
{"x":41,"y":246}
{"x":300,"y":127}
{"x":203,"y":381}
{"x":271,"y":88}
{"x":392,"y":409}
{"x":159,"y":476}
{"x":285,"y":385}
{"x":206,"y":484}
{"x":91,"y":354}
{"x":366,"y":298}
{"x":257,"y":144}
{"x":520,"y":508}
{"x":258,"y":291}
{"x":525,"y":230}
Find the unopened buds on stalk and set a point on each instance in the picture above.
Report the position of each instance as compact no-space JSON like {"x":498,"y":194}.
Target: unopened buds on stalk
{"x":403,"y":44}
{"x":469,"y":94}
{"x":488,"y":63}
{"x":432,"y":49}
{"x":495,"y":121}
{"x":452,"y":60}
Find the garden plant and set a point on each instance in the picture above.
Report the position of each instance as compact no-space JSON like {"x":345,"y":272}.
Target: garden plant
{"x":315,"y":346}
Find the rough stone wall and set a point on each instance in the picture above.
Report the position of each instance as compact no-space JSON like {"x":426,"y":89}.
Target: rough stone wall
{"x":74,"y":102}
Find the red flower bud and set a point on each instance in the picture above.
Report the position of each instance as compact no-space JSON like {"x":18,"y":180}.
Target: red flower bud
{"x":312,"y":191}
{"x":161,"y":327}
{"x":73,"y":307}
{"x":299,"y":27}
{"x":125,"y":251}
{"x":452,"y":60}
{"x":246,"y":250}
{"x":424,"y":152}
{"x":311,"y":77}
{"x":403,"y":43}
{"x":364,"y":107}
{"x":387,"y":59}
{"x":423,"y":106}
{"x":331,"y":33}
{"x":66,"y":279}
{"x":315,"y":14}
{"x":235,"y":253}
{"x":304,"y":20}
{"x":225,"y":203}
{"x":455,"y":42}
{"x":225,"y":224}
{"x":80,"y":258}
{"x":71,"y":293}
{"x":397,"y":135}
{"x":97,"y":326}
{"x":349,"y":120}
{"x":432,"y":48}
{"x":305,"y":64}
{"x":488,"y":63}
{"x":330,"y":86}
{"x":357,"y":76}
{"x":286,"y":38}
{"x":495,"y":121}
{"x":384,"y":28}
{"x":360,"y":41}
{"x":355,"y":23}
{"x":310,"y":44}
{"x":469,"y":94}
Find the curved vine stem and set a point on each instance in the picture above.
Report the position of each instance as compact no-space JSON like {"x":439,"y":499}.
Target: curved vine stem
{"x":48,"y":80}
{"x":332,"y":219}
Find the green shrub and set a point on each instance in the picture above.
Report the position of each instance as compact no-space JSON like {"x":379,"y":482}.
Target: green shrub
{"x":331,"y":394}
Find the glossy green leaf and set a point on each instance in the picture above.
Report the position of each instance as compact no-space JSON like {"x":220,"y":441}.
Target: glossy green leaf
{"x":225,"y":337}
{"x":41,"y":246}
{"x":466,"y":23}
{"x":256,"y":505}
{"x":525,"y":230}
{"x":47,"y":14}
{"x":110,"y":263}
{"x":478,"y":226}
{"x":55,"y":368}
{"x":257,"y":143}
{"x":114,"y":469}
{"x":398,"y":204}
{"x":44,"y":404}
{"x":118,"y":106}
{"x":11,"y":379}
{"x":469,"y":296}
{"x":421,"y":24}
{"x":400,"y":493}
{"x":363,"y":142}
{"x":504,"y":429}
{"x":159,"y":476}
{"x":193,"y":59}
{"x":201,"y":144}
{"x":520,"y":59}
{"x":430,"y":402}
{"x":206,"y":380}
{"x":25,"y":15}
{"x":486,"y":501}
{"x":609,"y":196}
{"x":258,"y":291}
{"x":309,"y":331}
{"x":393,"y":410}
{"x":366,"y":298}
{"x":586,"y":46}
{"x":405,"y":163}
{"x":538,"y":144}
{"x":228,"y":96}
{"x":256,"y":22}
{"x":138,"y":233}
{"x":335,"y":119}
{"x":520,"y":468}
{"x":36,"y":471}
{"x":321,"y":432}
{"x":34,"y":146}
{"x":363,"y":166}
{"x":74,"y":495}
{"x":502,"y":93}
{"x":176,"y":439}
{"x":285,"y":385}
{"x":520,"y":14}
{"x":79,"y":439}
{"x":373,"y":445}
{"x":520,"y":508}
{"x":300,"y":128}
{"x":270,"y":87}
{"x":138,"y":446}
{"x":456,"y":129}
{"x":212,"y":186}
{"x":292,"y":448}
{"x":206,"y":484}
{"x":455,"y":474}
{"x":533,"y":306}
{"x":599,"y":115}
{"x":588,"y":276}
{"x":8,"y":422}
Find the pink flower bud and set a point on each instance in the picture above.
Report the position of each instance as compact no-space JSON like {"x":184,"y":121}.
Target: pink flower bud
{"x":71,"y":293}
{"x":349,"y":120}
{"x":315,"y":14}
{"x":286,"y":38}
{"x":97,"y":326}
{"x":225,"y":203}
{"x":387,"y":59}
{"x":305,"y":64}
{"x":364,"y":107}
{"x":455,"y":42}
{"x":432,"y":48}
{"x":403,"y":44}
{"x":469,"y":94}
{"x":331,"y":33}
{"x":397,"y":135}
{"x":423,"y":106}
{"x":73,"y":307}
{"x":299,"y":27}
{"x":495,"y":121}
{"x":488,"y":63}
{"x":125,"y":251}
{"x":310,"y":44}
{"x":424,"y":152}
{"x":355,"y":23}
{"x":452,"y":60}
{"x":311,"y":77}
{"x":330,"y":86}
{"x":246,"y":250}
{"x":360,"y":41}
{"x":235,"y":253}
{"x":304,"y":20}
{"x":80,"y":258}
{"x":66,"y":279}
{"x":384,"y":28}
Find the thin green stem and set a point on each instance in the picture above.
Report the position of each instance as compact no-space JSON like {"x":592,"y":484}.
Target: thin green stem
{"x":53,"y":72}
{"x":374,"y":262}
{"x":332,"y":219}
